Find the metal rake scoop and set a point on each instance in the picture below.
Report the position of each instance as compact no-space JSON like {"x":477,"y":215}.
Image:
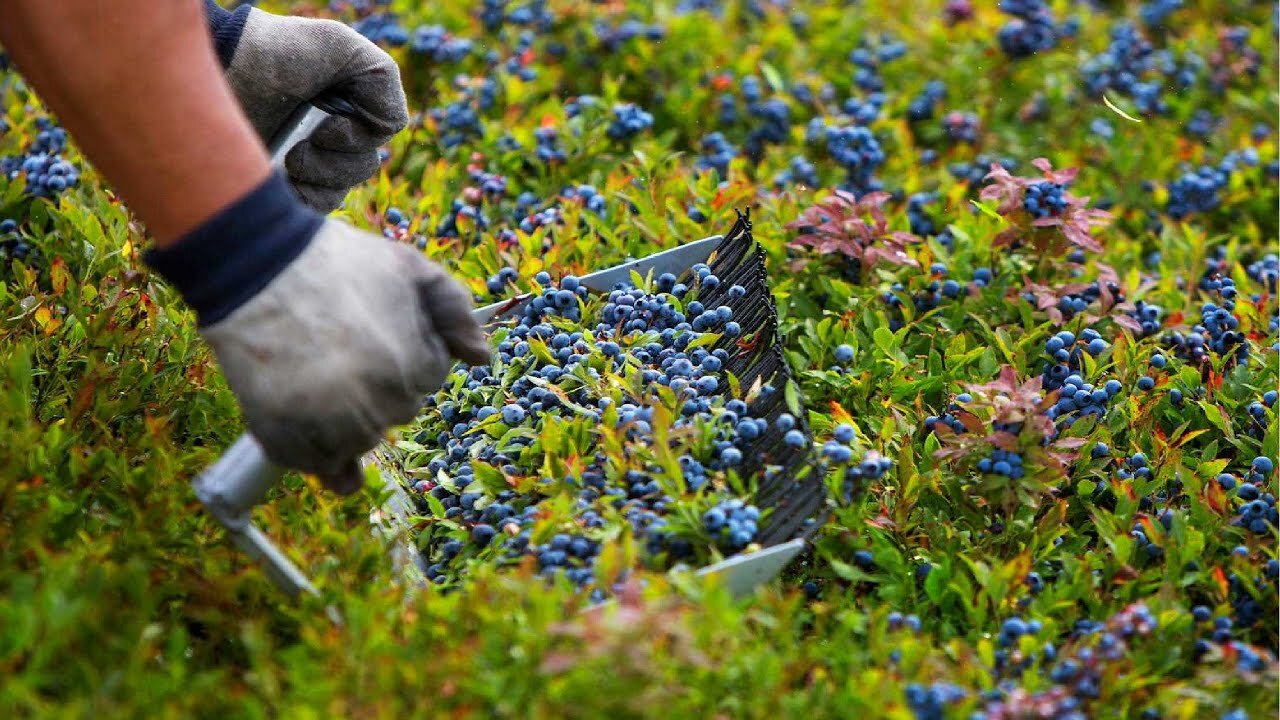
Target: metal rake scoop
{"x":790,"y":490}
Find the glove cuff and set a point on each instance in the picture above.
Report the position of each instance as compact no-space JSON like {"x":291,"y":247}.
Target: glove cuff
{"x":235,"y":254}
{"x":226,"y":27}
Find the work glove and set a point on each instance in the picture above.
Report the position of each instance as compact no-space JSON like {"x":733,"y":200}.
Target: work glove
{"x":326,"y":334}
{"x":276,"y":64}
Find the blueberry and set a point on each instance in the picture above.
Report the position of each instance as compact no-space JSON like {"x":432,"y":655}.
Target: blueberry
{"x":1014,"y":627}
{"x":844,"y":433}
{"x":713,"y":519}
{"x":844,"y":354}
{"x":1158,"y":362}
{"x":512,"y":414}
{"x":795,"y":439}
{"x":1146,"y":383}
{"x":481,"y":534}
{"x":1263,"y":465}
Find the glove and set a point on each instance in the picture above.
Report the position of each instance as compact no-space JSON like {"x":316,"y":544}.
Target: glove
{"x":276,"y":63}
{"x":326,"y":334}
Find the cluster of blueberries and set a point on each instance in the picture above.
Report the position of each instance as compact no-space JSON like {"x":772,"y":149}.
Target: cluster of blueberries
{"x":1196,"y":191}
{"x":458,"y":120}
{"x":961,"y":127}
{"x":799,"y":172}
{"x":438,"y":44}
{"x":559,"y":372}
{"x":1265,"y":271}
{"x":939,"y":290}
{"x":949,"y":418}
{"x":923,"y":106}
{"x":467,"y":214}
{"x":1079,"y":399}
{"x":41,"y":163}
{"x":12,"y":246}
{"x":1072,"y":304}
{"x":1033,"y":28}
{"x":921,"y":222}
{"x":1066,"y":351}
{"x":1258,"y":413}
{"x":1248,"y":597}
{"x":1076,"y":674}
{"x":628,"y":121}
{"x":1002,"y":462}
{"x":1131,"y":66}
{"x":613,"y":37}
{"x":1044,"y":199}
{"x":975,"y":171}
{"x":716,"y":154}
{"x":1258,"y":512}
{"x":1149,"y":548}
{"x":1247,"y":658}
{"x":1149,"y":316}
{"x":771,"y":115}
{"x":851,"y":146}
{"x":1218,"y":330}
{"x":732,"y":523}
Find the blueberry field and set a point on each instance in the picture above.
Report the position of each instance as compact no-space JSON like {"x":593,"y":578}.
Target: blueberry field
{"x":1023,"y":260}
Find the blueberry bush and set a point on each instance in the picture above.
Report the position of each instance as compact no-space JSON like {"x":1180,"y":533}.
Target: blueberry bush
{"x":1024,"y":260}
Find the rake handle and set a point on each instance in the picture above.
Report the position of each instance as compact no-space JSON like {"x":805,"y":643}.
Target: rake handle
{"x":242,"y":475}
{"x":230,"y":489}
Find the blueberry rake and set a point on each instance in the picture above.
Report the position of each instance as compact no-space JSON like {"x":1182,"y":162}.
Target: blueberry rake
{"x":789,"y":488}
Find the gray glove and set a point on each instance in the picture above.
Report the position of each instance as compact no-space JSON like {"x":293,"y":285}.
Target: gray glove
{"x":327,"y":335}
{"x":276,"y":63}
{"x":345,"y":342}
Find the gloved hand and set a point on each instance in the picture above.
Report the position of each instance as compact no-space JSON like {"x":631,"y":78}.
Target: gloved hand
{"x":276,"y":63}
{"x":327,"y":335}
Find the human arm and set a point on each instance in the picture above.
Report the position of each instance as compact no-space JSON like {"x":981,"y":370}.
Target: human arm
{"x":326,"y":334}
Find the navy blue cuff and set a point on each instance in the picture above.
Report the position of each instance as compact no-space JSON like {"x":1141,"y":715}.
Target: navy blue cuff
{"x":226,"y":27}
{"x":231,"y":257}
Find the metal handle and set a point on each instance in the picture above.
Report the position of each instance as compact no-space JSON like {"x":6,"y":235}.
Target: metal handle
{"x":242,"y":476}
{"x":229,"y":489}
{"x":305,"y":120}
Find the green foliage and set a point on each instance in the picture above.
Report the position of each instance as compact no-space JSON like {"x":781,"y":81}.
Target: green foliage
{"x":120,"y":598}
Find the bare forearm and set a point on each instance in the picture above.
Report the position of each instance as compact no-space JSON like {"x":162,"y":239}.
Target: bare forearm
{"x":138,"y":86}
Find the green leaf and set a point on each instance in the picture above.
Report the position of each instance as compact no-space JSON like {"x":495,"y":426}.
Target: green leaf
{"x":772,"y":77}
{"x":987,"y":210}
{"x":936,"y":583}
{"x":792,"y":396}
{"x":437,"y":509}
{"x":1217,"y":417}
{"x":885,"y":340}
{"x":703,"y":340}
{"x":848,"y":572}
{"x":490,"y":477}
